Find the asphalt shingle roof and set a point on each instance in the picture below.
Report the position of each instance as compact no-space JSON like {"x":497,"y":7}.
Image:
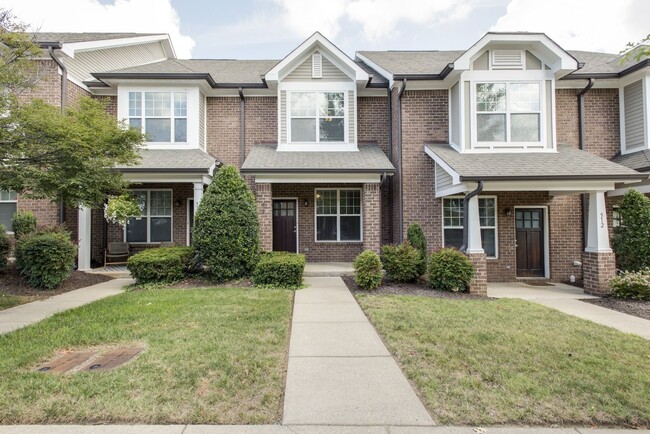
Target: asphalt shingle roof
{"x":568,"y":163}
{"x":636,"y":160}
{"x":266,"y":159}
{"x":171,"y":160}
{"x":412,"y":62}
{"x":84,"y":37}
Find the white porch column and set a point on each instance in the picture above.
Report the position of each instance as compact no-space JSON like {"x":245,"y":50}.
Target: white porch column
{"x":474,"y":244}
{"x":198,"y":195}
{"x":85,"y":242}
{"x":597,"y":233}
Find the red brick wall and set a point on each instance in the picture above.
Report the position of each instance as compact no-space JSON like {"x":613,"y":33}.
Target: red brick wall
{"x":48,"y":87}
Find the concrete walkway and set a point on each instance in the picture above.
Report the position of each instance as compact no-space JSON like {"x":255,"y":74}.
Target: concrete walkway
{"x":340,"y":372}
{"x":20,"y":316}
{"x":566,"y":298}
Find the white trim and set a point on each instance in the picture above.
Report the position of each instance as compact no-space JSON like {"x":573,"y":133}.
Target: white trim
{"x":148,"y":216}
{"x":84,"y":238}
{"x":71,"y":48}
{"x":297,"y":219}
{"x":643,"y":188}
{"x":454,"y":175}
{"x":338,"y":215}
{"x":315,"y":178}
{"x":496,"y":222}
{"x":187,"y":218}
{"x":324,"y":146}
{"x":547,"y":246}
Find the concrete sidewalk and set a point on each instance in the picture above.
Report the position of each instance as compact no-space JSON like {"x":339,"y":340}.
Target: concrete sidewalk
{"x":21,"y":316}
{"x":340,"y":372}
{"x":566,"y":298}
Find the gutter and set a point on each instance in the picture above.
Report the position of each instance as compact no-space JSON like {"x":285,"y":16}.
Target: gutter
{"x":584,"y":201}
{"x":400,"y":198}
{"x":608,"y":75}
{"x":64,"y":102}
{"x":391,"y":203}
{"x":260,"y":171}
{"x":466,"y":199}
{"x":242,"y":126}
{"x":621,"y":177}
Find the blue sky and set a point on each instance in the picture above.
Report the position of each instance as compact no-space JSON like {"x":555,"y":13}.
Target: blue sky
{"x":263,"y":29}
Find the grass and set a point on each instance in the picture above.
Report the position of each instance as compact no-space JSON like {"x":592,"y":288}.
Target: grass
{"x":514,"y":362}
{"x":7,"y":300}
{"x":213,"y":356}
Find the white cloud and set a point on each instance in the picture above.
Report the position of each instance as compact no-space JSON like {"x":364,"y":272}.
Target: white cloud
{"x":592,"y":25}
{"x":142,"y":16}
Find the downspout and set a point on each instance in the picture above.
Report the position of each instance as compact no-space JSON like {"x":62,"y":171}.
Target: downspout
{"x":400,"y":199}
{"x":390,"y":158}
{"x":64,"y":101}
{"x":468,"y":196}
{"x":242,"y":126}
{"x":581,"y":145}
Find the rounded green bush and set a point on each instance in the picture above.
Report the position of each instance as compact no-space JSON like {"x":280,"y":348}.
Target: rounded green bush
{"x":226,"y":229}
{"x":401,"y":262}
{"x":450,"y":270}
{"x":23,"y":223}
{"x":279,"y":270}
{"x":631,"y":240}
{"x":632,"y":284}
{"x":5,"y":248}
{"x":46,"y":257}
{"x":368,"y":270}
{"x":415,"y":236}
{"x":161,"y":264}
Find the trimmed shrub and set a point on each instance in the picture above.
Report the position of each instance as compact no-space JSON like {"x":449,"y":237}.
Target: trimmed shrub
{"x":631,"y":240}
{"x":401,"y":262}
{"x":450,"y":270}
{"x":23,"y":223}
{"x":226,"y":229}
{"x":415,"y":236}
{"x":45,"y":258}
{"x":632,"y":284}
{"x":368,"y":270}
{"x":5,"y":248}
{"x":161,"y":264}
{"x":279,"y":269}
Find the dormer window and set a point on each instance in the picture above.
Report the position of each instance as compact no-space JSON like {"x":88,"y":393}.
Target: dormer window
{"x":317,"y":117}
{"x":162,"y":116}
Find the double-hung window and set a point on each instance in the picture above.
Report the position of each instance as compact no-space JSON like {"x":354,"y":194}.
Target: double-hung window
{"x":8,"y":201}
{"x":162,"y":116}
{"x":317,"y":117}
{"x":154,"y":224}
{"x":338,"y":215}
{"x":453,"y":217}
{"x":508,"y":112}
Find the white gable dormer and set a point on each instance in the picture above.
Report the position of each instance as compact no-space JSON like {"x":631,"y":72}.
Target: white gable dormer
{"x":317,"y":91}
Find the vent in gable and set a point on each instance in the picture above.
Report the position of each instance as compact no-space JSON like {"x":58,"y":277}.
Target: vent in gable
{"x":317,"y":65}
{"x":507,"y":59}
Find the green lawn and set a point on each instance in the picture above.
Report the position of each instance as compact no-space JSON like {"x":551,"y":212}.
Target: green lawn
{"x":212,"y":356}
{"x":514,"y":362}
{"x":7,"y":301}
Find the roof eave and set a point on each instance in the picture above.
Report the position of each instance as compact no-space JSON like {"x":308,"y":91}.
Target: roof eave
{"x":632,"y":177}
{"x":263,"y":171}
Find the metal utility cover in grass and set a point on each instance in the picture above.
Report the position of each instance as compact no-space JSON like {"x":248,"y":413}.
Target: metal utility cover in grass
{"x":66,"y":362}
{"x":112,"y":359}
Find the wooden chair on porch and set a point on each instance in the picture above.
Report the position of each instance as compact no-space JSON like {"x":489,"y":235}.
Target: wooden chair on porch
{"x":115,"y":252}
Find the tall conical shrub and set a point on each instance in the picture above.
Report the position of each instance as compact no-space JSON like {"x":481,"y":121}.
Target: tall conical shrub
{"x":415,"y":236}
{"x":226,"y":229}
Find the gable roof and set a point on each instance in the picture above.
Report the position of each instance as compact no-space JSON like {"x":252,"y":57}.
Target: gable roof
{"x":171,"y":160}
{"x":637,"y":160}
{"x":412,"y":62}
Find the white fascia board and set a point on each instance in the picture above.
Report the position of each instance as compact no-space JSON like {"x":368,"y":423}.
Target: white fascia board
{"x":447,"y":168}
{"x":164,"y":177}
{"x":72,"y":47}
{"x":453,"y":190}
{"x":317,"y":178}
{"x":316,"y":40}
{"x":576,"y":186}
{"x":383,"y":72}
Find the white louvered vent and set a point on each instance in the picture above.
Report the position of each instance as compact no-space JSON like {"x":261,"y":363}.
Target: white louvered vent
{"x":317,"y":65}
{"x":507,"y":59}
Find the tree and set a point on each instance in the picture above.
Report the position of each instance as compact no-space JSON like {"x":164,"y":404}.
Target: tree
{"x":226,"y":229}
{"x":631,"y":240}
{"x":636,"y":50}
{"x":415,"y":236}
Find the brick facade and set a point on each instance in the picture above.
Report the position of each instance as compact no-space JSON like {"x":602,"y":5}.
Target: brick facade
{"x":371,"y":215}
{"x":599,"y":268}
{"x":478,"y":286}
{"x":263,"y":196}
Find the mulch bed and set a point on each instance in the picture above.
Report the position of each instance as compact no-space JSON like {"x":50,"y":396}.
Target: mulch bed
{"x":631,"y":307}
{"x":12,"y":284}
{"x":419,"y":289}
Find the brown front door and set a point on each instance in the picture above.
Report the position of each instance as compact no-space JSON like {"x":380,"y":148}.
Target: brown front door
{"x":529,"y":226}
{"x":285,"y":230}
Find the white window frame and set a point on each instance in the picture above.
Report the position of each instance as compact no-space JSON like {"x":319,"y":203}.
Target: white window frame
{"x":15,"y":200}
{"x":172,"y":115}
{"x":338,"y":215}
{"x":149,"y":217}
{"x":193,"y":116}
{"x":346,"y":117}
{"x":617,"y":218}
{"x":495,"y":227}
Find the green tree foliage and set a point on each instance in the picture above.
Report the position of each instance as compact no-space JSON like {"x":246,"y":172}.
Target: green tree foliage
{"x":46,"y":257}
{"x":226,"y":229}
{"x":120,"y":208}
{"x":23,"y":223}
{"x":5,"y":248}
{"x":637,"y":50}
{"x":631,"y":240}
{"x":415,"y":236}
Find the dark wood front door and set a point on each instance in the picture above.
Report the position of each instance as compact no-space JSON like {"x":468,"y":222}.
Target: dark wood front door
{"x":285,"y":229}
{"x":529,"y":227}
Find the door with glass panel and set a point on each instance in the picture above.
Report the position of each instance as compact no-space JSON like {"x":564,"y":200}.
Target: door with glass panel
{"x":529,"y":227}
{"x":285,"y":230}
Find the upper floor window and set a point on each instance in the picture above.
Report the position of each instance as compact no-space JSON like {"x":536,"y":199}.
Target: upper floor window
{"x":317,"y":117}
{"x":508,"y":112}
{"x":8,"y":202}
{"x":162,"y":116}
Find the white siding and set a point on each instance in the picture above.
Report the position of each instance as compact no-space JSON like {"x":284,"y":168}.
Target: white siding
{"x":303,"y":72}
{"x":283,"y":116}
{"x":352,"y":119}
{"x":634,"y":116}
{"x":201,"y":121}
{"x":443,"y":179}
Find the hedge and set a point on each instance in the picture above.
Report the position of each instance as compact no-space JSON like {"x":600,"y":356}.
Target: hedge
{"x":402,"y":263}
{"x":23,"y":223}
{"x":450,"y":270}
{"x":46,"y":257}
{"x":367,"y":266}
{"x":632,"y":284}
{"x":160,"y":265}
{"x":415,"y":236}
{"x":279,"y":269}
{"x":631,"y":240}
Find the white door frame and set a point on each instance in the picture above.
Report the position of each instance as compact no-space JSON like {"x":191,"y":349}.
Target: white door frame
{"x":547,"y":244}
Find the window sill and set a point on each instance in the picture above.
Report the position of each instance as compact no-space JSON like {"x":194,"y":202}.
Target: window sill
{"x":338,"y":242}
{"x":317,"y":147}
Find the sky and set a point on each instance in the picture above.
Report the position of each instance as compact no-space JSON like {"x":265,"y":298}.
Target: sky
{"x":270,"y":29}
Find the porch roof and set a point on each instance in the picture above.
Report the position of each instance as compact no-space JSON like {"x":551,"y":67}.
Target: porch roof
{"x":636,"y":160}
{"x":173,"y":161}
{"x":568,"y":163}
{"x":265,"y":159}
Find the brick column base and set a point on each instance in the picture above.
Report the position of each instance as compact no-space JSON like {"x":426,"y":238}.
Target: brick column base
{"x":478,"y":285}
{"x":371,"y":217}
{"x":597,"y":270}
{"x":263,"y":198}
